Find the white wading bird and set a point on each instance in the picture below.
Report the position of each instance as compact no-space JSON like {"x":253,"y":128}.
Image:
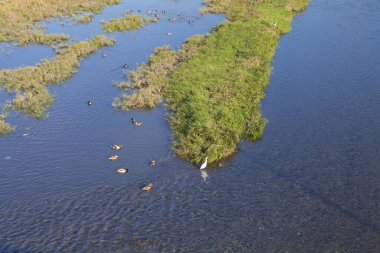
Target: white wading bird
{"x":204,"y":165}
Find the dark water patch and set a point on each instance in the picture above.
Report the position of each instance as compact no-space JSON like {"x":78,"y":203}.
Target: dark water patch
{"x":12,"y":56}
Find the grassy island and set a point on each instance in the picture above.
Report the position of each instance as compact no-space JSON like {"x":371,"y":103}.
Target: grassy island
{"x":29,"y":83}
{"x":214,"y":85}
{"x":18,"y":18}
{"x":126,"y":23}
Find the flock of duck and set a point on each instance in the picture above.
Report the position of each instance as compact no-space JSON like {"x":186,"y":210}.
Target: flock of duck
{"x":124,"y":170}
{"x":118,"y":147}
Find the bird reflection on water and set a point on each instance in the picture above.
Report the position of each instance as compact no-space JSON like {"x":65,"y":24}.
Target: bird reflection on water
{"x":204,"y":175}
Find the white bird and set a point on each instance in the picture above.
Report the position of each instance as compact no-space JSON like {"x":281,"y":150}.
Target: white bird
{"x":275,"y":24}
{"x":204,"y":165}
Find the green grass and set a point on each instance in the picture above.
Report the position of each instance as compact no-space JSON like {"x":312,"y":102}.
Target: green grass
{"x":126,"y":23}
{"x":5,"y":128}
{"x":214,"y":93}
{"x":150,"y":80}
{"x":29,"y":83}
{"x":18,"y":18}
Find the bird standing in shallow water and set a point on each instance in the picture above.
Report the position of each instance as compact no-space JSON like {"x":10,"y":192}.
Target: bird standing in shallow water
{"x":204,"y":165}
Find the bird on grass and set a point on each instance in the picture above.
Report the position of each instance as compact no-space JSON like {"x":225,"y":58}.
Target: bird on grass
{"x":204,"y":165}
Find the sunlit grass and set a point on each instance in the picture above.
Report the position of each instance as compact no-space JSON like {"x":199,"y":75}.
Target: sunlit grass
{"x":29,"y":83}
{"x":213,"y":94}
{"x":84,"y":19}
{"x":5,"y":128}
{"x":18,"y":18}
{"x":126,"y":23}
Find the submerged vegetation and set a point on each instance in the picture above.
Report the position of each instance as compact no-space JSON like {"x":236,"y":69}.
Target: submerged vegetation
{"x":18,"y":18}
{"x":213,"y":91}
{"x":126,"y":23}
{"x":29,"y":83}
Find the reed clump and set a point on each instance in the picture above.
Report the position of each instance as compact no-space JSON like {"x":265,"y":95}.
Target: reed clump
{"x":126,"y":23}
{"x":18,"y":18}
{"x":5,"y":128}
{"x":29,"y":83}
{"x":84,"y":19}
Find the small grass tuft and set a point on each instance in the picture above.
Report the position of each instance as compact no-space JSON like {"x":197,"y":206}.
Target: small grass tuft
{"x":126,"y":23}
{"x":84,"y":19}
{"x":5,"y":128}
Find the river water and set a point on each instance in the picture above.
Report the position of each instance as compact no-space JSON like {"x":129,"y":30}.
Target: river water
{"x":311,"y":184}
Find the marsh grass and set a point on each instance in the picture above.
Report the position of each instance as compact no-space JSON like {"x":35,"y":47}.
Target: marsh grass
{"x":126,"y":23}
{"x":29,"y":83}
{"x":18,"y":18}
{"x":84,"y":19}
{"x":214,"y":90}
{"x":150,"y":80}
{"x":5,"y":128}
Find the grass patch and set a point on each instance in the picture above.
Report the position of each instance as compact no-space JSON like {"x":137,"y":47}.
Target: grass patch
{"x":5,"y":128}
{"x":29,"y":83}
{"x":84,"y":19}
{"x":126,"y":23}
{"x":150,"y":80}
{"x":214,"y":90}
{"x":18,"y":18}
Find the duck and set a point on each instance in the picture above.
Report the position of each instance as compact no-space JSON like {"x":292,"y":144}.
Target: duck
{"x":204,"y":165}
{"x":116,"y":147}
{"x":169,"y":34}
{"x":133,"y":120}
{"x":104,"y":55}
{"x":152,"y":163}
{"x":89,"y":102}
{"x":148,"y":187}
{"x":113,"y":157}
{"x":125,"y":66}
{"x":122,"y":171}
